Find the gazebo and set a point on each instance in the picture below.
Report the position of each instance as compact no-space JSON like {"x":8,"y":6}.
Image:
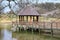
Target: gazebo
{"x":28,"y":15}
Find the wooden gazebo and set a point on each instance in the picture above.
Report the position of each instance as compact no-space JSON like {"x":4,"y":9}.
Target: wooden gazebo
{"x":28,"y":15}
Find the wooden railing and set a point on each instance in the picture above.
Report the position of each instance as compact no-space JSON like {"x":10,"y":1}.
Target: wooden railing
{"x":55,"y":25}
{"x":52,"y":27}
{"x":46,"y":25}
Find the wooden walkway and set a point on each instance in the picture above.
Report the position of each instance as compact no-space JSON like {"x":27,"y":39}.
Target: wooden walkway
{"x":42,"y":25}
{"x":52,"y":28}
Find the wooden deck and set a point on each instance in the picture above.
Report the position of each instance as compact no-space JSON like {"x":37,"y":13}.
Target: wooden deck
{"x":52,"y":28}
{"x":42,"y":25}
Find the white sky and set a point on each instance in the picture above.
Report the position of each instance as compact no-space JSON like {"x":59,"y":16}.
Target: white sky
{"x":5,"y":4}
{"x":54,"y":1}
{"x":15,"y":8}
{"x":6,"y":9}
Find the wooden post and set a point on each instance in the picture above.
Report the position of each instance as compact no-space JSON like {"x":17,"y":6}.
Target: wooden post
{"x":39,"y":30}
{"x":51,"y":30}
{"x":32,"y":28}
{"x":19,"y":19}
{"x":37,"y":18}
{"x":16,"y":20}
{"x":57,"y":25}
{"x":32,"y":32}
{"x":44,"y":25}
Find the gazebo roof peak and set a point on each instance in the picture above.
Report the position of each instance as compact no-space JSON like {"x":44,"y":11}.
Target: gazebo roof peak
{"x":28,"y":10}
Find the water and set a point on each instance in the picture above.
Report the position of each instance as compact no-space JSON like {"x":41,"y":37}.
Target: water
{"x":6,"y":34}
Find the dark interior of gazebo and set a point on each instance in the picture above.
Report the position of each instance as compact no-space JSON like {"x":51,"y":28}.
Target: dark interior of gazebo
{"x":30,"y":18}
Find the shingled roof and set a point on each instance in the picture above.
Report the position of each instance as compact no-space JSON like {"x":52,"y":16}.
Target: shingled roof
{"x":29,"y":10}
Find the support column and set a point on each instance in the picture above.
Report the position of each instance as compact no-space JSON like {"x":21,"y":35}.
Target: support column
{"x":19,"y":19}
{"x":37,"y":18}
{"x":27,"y":18}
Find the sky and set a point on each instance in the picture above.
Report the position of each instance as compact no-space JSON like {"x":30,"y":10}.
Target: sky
{"x":54,"y":1}
{"x":15,"y":7}
{"x":5,"y":4}
{"x":44,"y":1}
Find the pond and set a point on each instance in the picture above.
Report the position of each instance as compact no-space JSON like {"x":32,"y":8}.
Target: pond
{"x":7,"y":34}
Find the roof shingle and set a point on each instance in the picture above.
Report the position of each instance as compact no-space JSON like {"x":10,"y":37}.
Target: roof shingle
{"x":29,"y":10}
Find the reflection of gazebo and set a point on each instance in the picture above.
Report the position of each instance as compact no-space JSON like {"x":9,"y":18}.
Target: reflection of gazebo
{"x":28,"y":14}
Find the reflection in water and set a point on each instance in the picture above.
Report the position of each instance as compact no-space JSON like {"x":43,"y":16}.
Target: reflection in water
{"x":7,"y":35}
{"x":0,"y":34}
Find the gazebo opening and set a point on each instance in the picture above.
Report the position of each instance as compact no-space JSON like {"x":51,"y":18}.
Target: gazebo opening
{"x":28,"y":18}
